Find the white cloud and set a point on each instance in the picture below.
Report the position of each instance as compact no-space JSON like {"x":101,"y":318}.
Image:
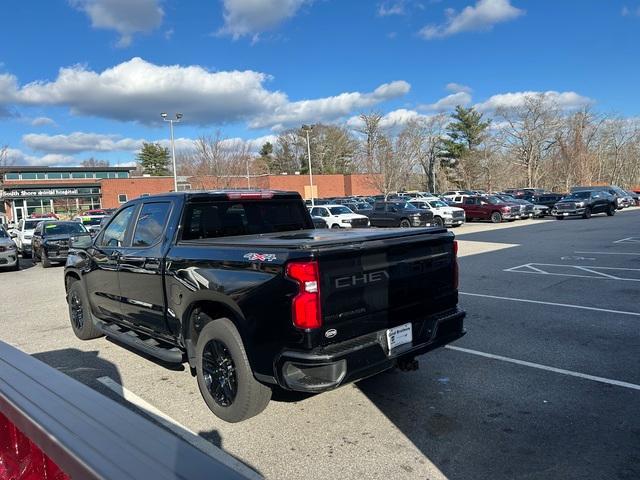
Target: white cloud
{"x":42,"y":121}
{"x":449,"y":102}
{"x":386,"y":9}
{"x":251,"y":17}
{"x":480,"y":17}
{"x":79,"y":142}
{"x":458,"y":87}
{"x":389,"y":121}
{"x":564,"y":100}
{"x":18,"y":157}
{"x":127,"y":17}
{"x":137,"y":90}
{"x":329,"y":108}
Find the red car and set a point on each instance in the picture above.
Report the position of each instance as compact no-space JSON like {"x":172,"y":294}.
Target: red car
{"x":489,"y":208}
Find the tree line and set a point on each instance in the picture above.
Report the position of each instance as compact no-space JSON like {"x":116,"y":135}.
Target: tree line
{"x":534,"y":144}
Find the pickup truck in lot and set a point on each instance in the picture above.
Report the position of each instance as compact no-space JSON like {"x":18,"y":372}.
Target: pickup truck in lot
{"x":489,"y":208}
{"x":240,"y":286}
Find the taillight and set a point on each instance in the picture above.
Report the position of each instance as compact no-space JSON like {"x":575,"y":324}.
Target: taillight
{"x":21,"y":458}
{"x":305,"y":308}
{"x":455,"y":265}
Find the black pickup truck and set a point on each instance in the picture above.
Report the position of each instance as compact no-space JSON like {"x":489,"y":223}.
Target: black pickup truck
{"x":240,"y":286}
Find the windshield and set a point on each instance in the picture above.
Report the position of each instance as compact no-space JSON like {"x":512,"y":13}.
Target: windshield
{"x":340,"y":211}
{"x":69,"y":228}
{"x":3,"y":233}
{"x":495,"y":200}
{"x":437,"y":204}
{"x":31,"y":224}
{"x":579,"y":195}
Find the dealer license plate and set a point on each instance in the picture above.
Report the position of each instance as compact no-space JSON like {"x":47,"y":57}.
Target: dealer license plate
{"x":399,"y":336}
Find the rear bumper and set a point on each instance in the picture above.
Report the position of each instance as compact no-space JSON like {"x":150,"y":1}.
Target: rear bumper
{"x":329,"y":367}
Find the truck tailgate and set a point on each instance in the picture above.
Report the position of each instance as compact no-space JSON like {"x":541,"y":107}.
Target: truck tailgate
{"x":382,"y":284}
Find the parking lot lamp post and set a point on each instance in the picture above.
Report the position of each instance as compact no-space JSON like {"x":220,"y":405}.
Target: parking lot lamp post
{"x":171,"y":121}
{"x":307,"y":129}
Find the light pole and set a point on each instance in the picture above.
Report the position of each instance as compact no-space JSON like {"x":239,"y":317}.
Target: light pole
{"x":307,"y":129}
{"x":171,"y":121}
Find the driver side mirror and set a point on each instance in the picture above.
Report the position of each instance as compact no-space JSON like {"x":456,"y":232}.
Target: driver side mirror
{"x":80,"y":241}
{"x":13,"y":234}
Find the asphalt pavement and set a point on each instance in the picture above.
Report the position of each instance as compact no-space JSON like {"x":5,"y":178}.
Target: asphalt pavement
{"x":545,"y":384}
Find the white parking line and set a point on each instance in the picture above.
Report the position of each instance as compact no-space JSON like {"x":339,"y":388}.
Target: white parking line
{"x":562,"y":371}
{"x":609,"y":253}
{"x":179,"y":429}
{"x":628,"y":240}
{"x":543,"y":269}
{"x":553,"y":304}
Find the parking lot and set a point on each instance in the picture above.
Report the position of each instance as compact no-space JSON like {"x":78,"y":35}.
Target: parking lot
{"x":545,"y":384}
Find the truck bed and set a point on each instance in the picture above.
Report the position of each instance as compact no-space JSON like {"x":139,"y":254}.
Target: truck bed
{"x":312,"y":239}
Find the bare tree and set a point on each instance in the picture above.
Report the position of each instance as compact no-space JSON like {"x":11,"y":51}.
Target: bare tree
{"x":94,"y":162}
{"x":530,"y":133}
{"x":5,"y":161}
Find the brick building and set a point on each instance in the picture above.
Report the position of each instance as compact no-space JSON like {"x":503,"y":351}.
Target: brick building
{"x":67,"y":191}
{"x":70,"y":190}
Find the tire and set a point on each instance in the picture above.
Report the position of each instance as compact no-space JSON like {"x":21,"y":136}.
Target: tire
{"x":405,"y":223}
{"x":46,"y":263}
{"x":336,"y":226}
{"x":587,"y":213}
{"x":559,"y":217}
{"x":16,"y":267}
{"x":611,"y":211}
{"x":26,"y":254}
{"x":496,"y":217}
{"x":80,"y":313}
{"x":438,"y":222}
{"x":244,"y":397}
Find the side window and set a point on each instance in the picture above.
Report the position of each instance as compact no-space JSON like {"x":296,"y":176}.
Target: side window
{"x":379,"y":207}
{"x":469,"y":201}
{"x":151,"y":222}
{"x":324,"y":212}
{"x":315,"y":212}
{"x":113,"y":235}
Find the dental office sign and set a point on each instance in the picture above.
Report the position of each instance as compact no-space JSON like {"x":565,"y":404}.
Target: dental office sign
{"x":47,"y":192}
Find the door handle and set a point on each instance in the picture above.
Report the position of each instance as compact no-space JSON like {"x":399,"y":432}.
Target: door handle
{"x":114,"y":255}
{"x":133,"y":259}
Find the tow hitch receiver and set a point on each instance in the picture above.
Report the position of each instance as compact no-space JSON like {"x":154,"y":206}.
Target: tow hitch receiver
{"x":408,"y":364}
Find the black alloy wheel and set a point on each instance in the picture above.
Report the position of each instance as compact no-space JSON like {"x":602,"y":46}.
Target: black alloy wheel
{"x":219,"y":373}
{"x":76,"y":310}
{"x":404,"y":223}
{"x":438,"y":222}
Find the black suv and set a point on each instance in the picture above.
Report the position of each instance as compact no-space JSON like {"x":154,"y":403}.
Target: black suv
{"x":398,"y":214}
{"x":585,"y":203}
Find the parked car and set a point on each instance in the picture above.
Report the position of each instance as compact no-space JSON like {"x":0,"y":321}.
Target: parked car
{"x":91,"y":222}
{"x":635,"y":196}
{"x":620,"y":196}
{"x":453,"y":194}
{"x":357,"y":206}
{"x":51,"y":240}
{"x":339,"y":216}
{"x":23,"y":234}
{"x":544,"y":200}
{"x":527,"y":209}
{"x":585,"y":203}
{"x":489,"y":208}
{"x":398,"y":213}
{"x":443,"y":214}
{"x":8,"y":251}
{"x":242,"y":288}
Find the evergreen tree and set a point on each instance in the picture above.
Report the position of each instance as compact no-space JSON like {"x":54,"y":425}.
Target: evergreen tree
{"x":153,"y":159}
{"x":465,"y":132}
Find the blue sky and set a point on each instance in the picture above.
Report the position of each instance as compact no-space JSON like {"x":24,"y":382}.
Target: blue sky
{"x":81,"y":78}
